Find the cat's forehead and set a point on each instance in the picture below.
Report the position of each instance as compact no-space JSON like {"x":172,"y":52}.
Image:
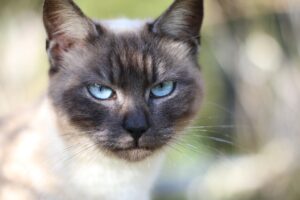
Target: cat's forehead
{"x":124,"y":54}
{"x":141,"y":56}
{"x":134,"y":34}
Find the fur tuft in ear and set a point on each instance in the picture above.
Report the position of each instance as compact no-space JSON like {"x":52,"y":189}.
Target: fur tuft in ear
{"x":64,"y":18}
{"x":181,"y":21}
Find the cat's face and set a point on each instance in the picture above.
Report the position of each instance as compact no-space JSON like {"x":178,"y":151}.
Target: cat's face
{"x":130,"y":92}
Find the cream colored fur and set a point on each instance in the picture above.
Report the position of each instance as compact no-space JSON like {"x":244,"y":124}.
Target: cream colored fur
{"x":45,"y":164}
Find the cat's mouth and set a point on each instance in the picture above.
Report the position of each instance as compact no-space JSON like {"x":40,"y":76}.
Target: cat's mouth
{"x":127,"y":148}
{"x":136,"y":151}
{"x":133,"y":153}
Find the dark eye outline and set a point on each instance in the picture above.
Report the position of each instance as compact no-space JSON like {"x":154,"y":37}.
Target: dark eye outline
{"x":170,"y":93}
{"x":112,"y":96}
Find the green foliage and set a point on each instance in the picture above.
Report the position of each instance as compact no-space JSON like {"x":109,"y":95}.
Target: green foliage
{"x":121,"y":8}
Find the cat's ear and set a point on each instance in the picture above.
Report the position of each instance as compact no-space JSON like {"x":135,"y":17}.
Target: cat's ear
{"x":65,"y":23}
{"x":181,"y":21}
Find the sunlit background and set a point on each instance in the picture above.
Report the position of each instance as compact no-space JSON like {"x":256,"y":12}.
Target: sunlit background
{"x":246,"y":143}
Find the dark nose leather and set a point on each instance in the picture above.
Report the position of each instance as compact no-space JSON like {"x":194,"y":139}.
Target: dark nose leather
{"x":136,"y":123}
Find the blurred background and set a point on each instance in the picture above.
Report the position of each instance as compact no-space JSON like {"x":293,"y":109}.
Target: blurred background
{"x":246,"y":143}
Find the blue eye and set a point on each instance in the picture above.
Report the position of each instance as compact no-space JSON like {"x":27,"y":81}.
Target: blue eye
{"x":163,"y":89}
{"x":100,"y":92}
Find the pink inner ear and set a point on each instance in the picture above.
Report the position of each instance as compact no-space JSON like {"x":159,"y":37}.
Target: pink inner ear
{"x":57,"y":47}
{"x":60,"y":44}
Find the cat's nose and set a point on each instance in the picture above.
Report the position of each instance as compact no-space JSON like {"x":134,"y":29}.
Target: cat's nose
{"x":136,"y":123}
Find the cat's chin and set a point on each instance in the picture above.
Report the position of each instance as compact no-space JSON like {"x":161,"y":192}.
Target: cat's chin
{"x":133,"y":154}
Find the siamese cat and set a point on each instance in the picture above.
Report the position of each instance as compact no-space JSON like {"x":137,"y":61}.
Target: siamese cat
{"x":120,"y":91}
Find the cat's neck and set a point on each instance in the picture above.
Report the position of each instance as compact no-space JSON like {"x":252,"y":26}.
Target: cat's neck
{"x":94,"y":173}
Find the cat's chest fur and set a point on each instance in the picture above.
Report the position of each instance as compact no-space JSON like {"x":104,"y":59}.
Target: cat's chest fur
{"x":107,"y":179}
{"x":38,"y":164}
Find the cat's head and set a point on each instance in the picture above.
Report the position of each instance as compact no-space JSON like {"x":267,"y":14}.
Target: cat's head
{"x":130,"y":91}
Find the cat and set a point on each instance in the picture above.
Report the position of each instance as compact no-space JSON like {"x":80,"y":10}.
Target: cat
{"x":120,"y":91}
